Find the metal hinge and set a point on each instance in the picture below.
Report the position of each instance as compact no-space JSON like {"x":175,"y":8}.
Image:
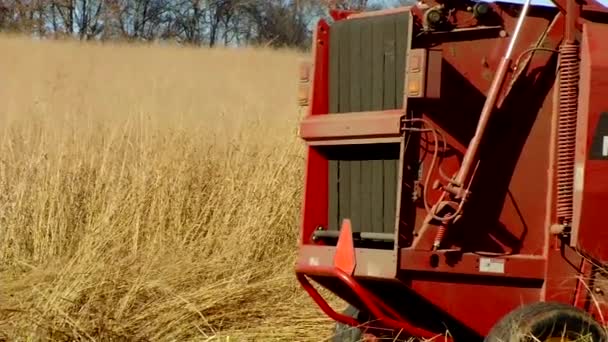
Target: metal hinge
{"x":402,"y":124}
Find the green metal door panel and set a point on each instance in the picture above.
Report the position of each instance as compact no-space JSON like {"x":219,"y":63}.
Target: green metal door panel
{"x":366,"y":71}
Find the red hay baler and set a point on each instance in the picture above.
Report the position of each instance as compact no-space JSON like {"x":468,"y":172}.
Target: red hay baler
{"x":457,"y":170}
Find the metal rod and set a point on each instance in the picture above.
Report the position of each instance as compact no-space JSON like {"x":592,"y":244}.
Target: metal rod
{"x":572,"y":14}
{"x":384,"y":313}
{"x":490,"y":101}
{"x":520,"y":23}
{"x":334,"y":234}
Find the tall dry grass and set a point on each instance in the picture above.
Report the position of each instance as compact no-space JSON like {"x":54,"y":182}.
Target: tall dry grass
{"x":150,"y":193}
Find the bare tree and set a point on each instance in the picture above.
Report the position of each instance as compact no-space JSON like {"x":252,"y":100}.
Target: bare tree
{"x":346,"y":4}
{"x":197,"y":22}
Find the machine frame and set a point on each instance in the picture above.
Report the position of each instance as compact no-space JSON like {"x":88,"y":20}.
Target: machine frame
{"x":529,"y":230}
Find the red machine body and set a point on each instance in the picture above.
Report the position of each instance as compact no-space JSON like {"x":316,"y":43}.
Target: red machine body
{"x":457,"y":164}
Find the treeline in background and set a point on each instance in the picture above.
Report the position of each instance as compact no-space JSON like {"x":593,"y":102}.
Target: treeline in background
{"x":276,"y":23}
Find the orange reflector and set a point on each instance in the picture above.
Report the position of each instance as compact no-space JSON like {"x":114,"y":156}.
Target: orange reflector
{"x":344,"y":259}
{"x":413,"y":87}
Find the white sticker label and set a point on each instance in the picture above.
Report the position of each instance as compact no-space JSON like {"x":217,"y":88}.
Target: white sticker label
{"x":313,"y":261}
{"x":605,"y":146}
{"x":490,"y":265}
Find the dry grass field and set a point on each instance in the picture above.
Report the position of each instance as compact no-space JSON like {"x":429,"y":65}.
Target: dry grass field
{"x":150,"y":193}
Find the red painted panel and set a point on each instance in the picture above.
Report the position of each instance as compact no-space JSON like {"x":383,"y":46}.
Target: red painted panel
{"x":517,"y":266}
{"x":507,"y":212}
{"x":314,"y":208}
{"x":561,"y":281}
{"x":591,"y":183}
{"x":512,"y":200}
{"x":478,"y":306}
{"x":320,"y":82}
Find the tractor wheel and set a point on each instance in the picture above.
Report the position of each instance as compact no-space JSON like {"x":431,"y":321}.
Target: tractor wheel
{"x":547,"y":322}
{"x":346,"y":333}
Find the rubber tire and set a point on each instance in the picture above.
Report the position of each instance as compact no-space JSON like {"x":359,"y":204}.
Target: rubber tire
{"x":346,"y":333}
{"x":534,"y":319}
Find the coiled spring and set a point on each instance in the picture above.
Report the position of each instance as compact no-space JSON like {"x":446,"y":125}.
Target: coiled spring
{"x":566,"y":135}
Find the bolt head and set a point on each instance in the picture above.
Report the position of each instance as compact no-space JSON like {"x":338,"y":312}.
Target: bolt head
{"x":557,"y":229}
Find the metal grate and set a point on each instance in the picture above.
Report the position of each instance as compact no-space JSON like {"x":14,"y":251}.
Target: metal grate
{"x":367,"y":64}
